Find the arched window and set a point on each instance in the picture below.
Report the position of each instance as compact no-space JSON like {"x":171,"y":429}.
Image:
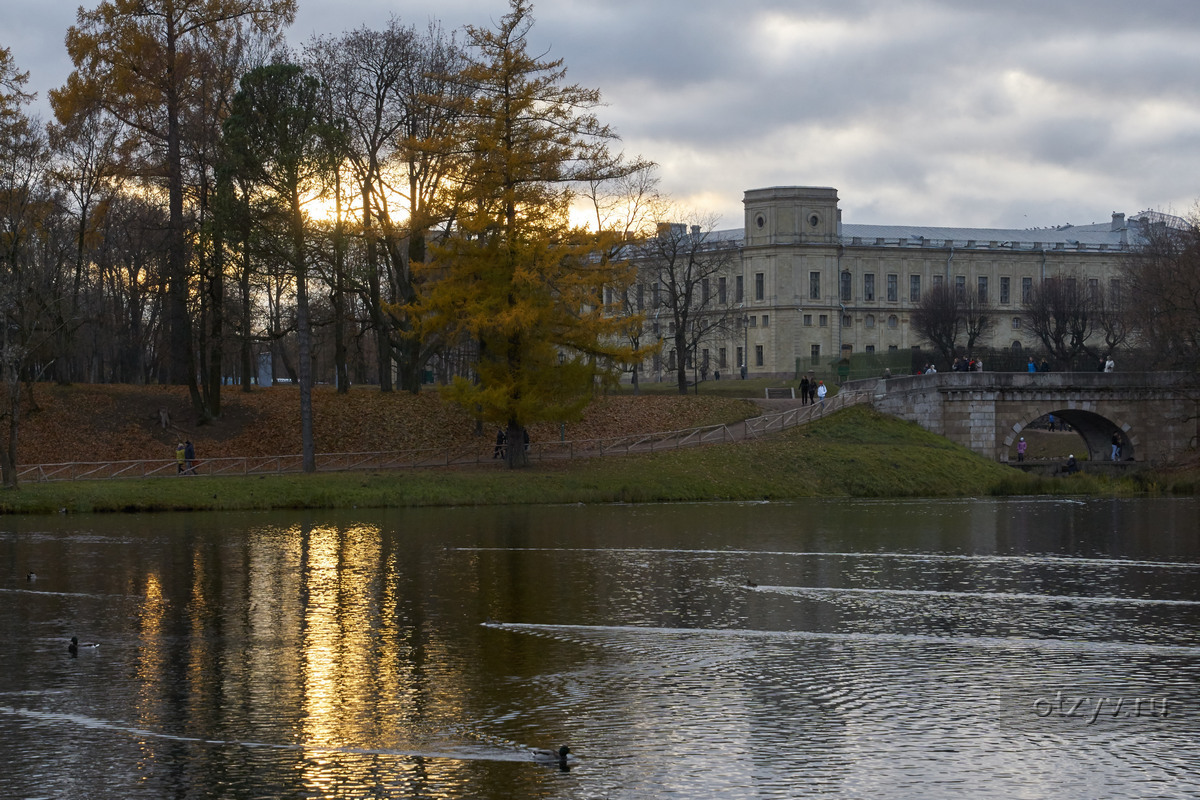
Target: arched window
{"x":893,"y":321}
{"x":869,"y":321}
{"x":1016,"y":346}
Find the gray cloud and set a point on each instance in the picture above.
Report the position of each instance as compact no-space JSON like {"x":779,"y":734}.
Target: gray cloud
{"x":1023,"y":113}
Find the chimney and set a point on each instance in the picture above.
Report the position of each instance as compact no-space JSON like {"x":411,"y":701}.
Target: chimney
{"x":1118,"y":222}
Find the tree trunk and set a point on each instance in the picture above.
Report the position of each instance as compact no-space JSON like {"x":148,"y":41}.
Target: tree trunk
{"x":303,"y":343}
{"x":515,"y":454}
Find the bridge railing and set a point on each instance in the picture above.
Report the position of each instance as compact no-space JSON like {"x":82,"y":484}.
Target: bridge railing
{"x":952,"y":381}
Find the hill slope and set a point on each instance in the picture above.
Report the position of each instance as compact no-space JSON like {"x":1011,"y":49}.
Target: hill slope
{"x":117,"y":422}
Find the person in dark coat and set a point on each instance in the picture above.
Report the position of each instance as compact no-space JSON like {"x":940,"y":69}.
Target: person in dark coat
{"x":189,"y":455}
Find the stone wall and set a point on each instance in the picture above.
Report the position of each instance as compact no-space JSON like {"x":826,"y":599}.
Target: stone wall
{"x":1156,"y":412}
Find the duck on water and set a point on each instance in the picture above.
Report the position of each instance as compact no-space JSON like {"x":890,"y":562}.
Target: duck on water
{"x":562,"y":757}
{"x":75,"y":644}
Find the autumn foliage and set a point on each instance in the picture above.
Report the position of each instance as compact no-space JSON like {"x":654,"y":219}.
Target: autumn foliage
{"x":116,"y":422}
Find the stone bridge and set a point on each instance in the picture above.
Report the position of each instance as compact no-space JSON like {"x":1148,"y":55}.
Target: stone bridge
{"x":1156,"y":412}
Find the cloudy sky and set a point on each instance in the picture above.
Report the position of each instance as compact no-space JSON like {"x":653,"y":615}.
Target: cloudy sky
{"x":1025,"y":113}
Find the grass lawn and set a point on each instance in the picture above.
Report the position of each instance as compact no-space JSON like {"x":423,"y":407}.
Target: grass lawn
{"x":856,"y":452}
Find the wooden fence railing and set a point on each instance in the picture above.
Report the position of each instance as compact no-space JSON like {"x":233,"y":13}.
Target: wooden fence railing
{"x":773,"y":423}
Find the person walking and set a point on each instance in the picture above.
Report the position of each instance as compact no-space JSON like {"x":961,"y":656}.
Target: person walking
{"x":1109,"y":364}
{"x":804,"y":391}
{"x":1031,"y":366}
{"x":821,"y":392}
{"x":1116,"y":446}
{"x":189,"y":455}
{"x":179,"y":457}
{"x":1021,"y":446}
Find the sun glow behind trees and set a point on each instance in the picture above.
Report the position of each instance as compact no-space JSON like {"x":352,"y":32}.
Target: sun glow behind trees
{"x":443,"y":229}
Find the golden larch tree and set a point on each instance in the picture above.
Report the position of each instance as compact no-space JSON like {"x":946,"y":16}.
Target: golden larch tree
{"x":514,"y":276}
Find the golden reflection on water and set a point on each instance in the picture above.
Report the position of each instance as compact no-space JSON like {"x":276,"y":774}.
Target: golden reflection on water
{"x":355,"y":682}
{"x":151,"y":612}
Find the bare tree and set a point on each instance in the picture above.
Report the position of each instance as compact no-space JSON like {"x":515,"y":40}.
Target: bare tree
{"x":683,"y":265}
{"x":977,"y":316}
{"x":628,"y":206}
{"x":1061,"y":314}
{"x":938,"y":319}
{"x":1163,"y":281}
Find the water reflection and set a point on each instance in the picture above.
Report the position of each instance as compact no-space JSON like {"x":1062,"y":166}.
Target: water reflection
{"x":887,"y":649}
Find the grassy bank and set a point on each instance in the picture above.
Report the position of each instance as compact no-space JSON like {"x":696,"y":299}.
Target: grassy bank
{"x":853,"y":453}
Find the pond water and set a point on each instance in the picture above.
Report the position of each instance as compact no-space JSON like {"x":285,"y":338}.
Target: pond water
{"x":845,"y":649}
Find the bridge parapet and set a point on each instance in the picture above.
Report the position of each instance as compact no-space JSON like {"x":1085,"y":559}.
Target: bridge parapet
{"x":1155,"y":412}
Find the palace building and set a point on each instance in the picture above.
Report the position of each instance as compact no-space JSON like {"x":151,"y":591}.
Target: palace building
{"x":813,"y":289}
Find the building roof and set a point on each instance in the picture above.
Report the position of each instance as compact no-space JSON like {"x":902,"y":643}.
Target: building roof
{"x":1118,"y":234}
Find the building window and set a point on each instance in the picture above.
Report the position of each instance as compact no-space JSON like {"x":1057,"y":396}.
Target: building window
{"x":893,"y":348}
{"x":704,"y":362}
{"x":655,"y":294}
{"x":741,"y":357}
{"x":721,"y":358}
{"x":960,"y":287}
{"x":893,"y":321}
{"x":1093,"y":290}
{"x":753,"y":322}
{"x":641,"y":295}
{"x":737,"y":289}
{"x":823,"y":320}
{"x":870,"y":348}
{"x":815,"y":354}
{"x":766,"y":320}
{"x":814,"y":286}
{"x":847,"y":320}
{"x":937,"y":281}
{"x":869,"y":321}
{"x":869,"y":286}
{"x":1004,"y":298}
{"x":1016,"y":323}
{"x":808,"y":320}
{"x":914,"y":288}
{"x":1016,"y":346}
{"x":758,"y":355}
{"x":721,"y":296}
{"x":983,"y":290}
{"x":1114,"y":293}
{"x":893,"y":288}
{"x":758,"y":286}
{"x":704,"y":291}
{"x":845,"y":287}
{"x":1026,"y":289}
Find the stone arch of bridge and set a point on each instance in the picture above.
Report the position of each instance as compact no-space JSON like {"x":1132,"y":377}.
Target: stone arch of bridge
{"x":1094,"y":428}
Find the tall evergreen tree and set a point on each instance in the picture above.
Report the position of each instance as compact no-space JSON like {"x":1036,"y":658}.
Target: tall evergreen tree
{"x":287,"y":151}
